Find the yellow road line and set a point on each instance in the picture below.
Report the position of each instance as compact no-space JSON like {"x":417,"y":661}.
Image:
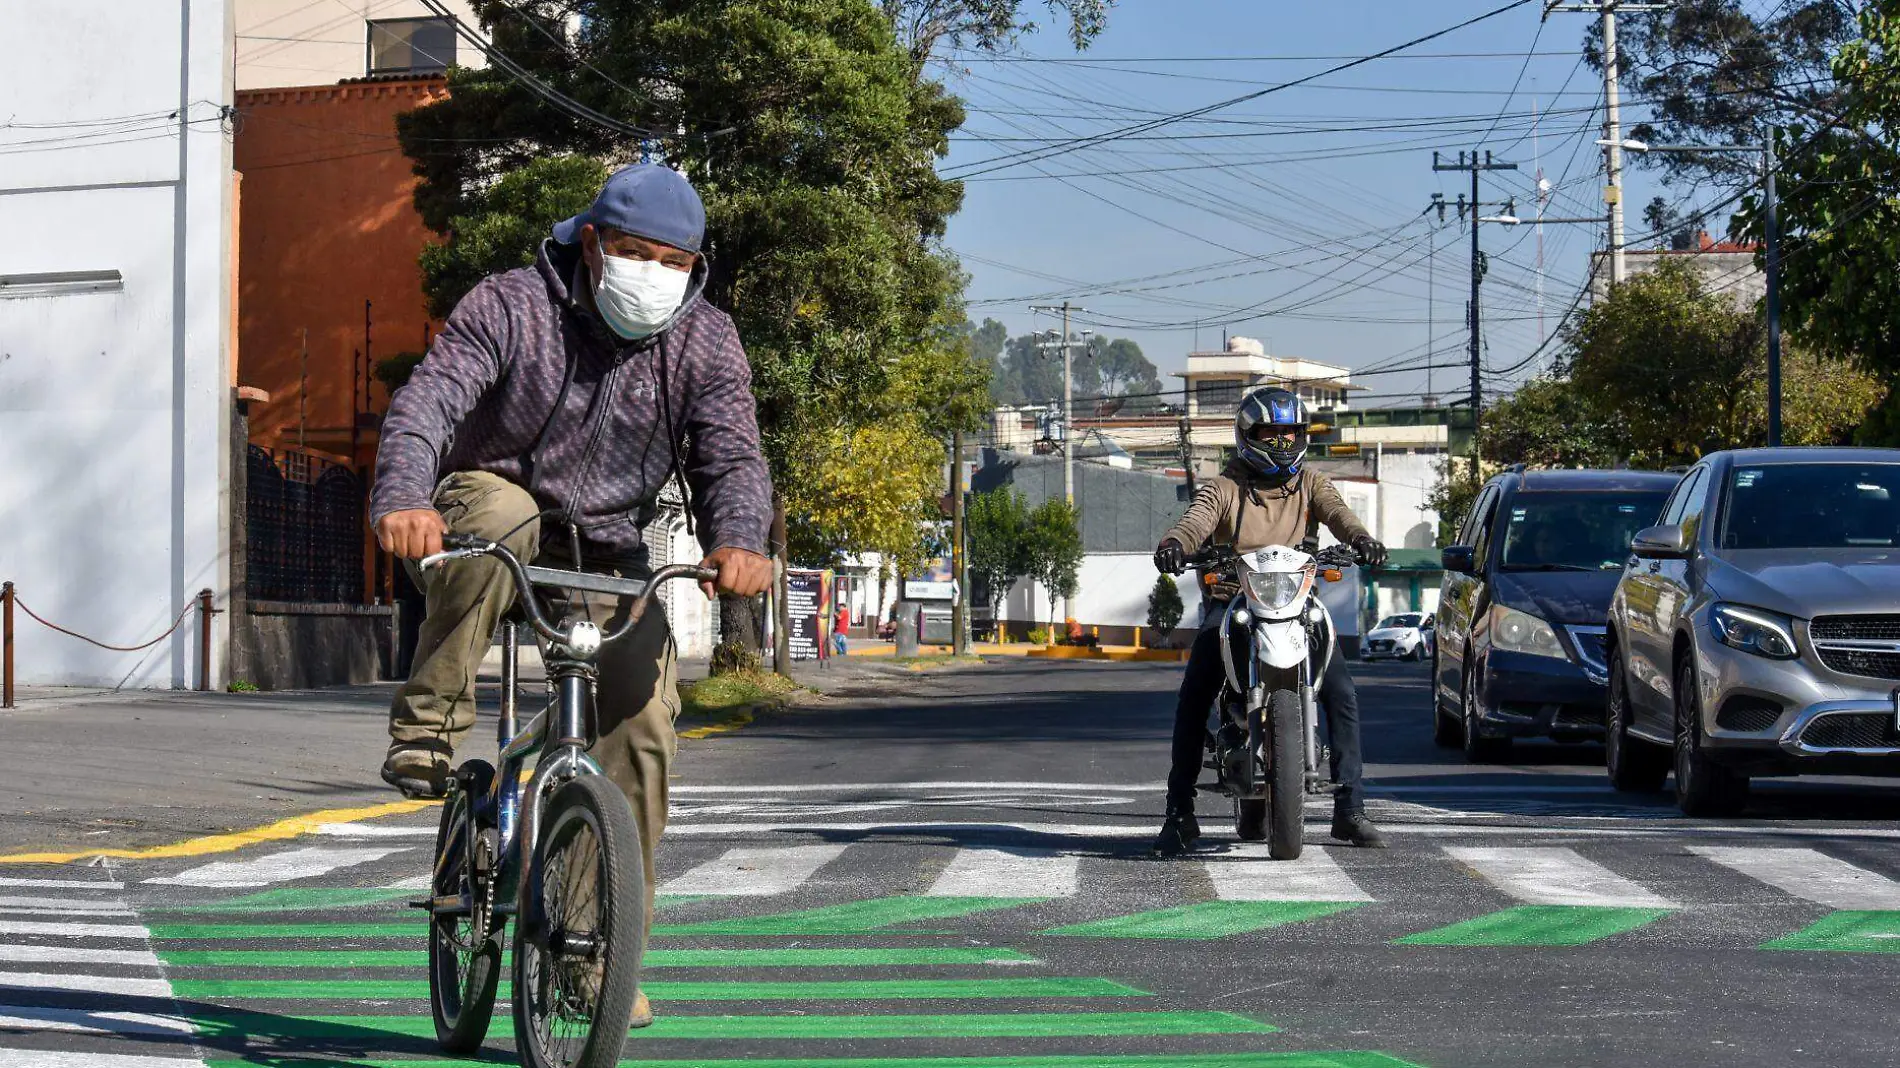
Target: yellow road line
{"x":730,"y":723}
{"x":225,"y":843}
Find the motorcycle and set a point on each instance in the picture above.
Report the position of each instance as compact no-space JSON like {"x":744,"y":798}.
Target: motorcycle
{"x":1276,"y":642}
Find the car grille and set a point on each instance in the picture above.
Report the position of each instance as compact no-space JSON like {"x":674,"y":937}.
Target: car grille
{"x":1855,"y":628}
{"x":1868,"y":662}
{"x":1852,"y":730}
{"x":1577,"y":716}
{"x":1747,"y":714}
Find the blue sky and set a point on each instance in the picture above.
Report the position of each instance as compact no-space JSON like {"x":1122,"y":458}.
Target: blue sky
{"x":1304,"y":204}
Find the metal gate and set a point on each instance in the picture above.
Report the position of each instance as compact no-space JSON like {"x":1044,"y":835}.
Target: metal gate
{"x":303,"y":528}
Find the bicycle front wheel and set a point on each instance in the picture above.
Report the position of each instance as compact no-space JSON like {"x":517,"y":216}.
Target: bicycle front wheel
{"x":581,"y":934}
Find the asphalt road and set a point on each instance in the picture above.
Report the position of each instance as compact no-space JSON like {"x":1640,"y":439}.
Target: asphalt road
{"x":950,"y":870}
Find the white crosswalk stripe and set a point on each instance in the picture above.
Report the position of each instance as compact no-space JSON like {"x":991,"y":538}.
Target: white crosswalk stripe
{"x":1249,"y":874}
{"x":90,"y":1021}
{"x":1008,"y":873}
{"x":97,"y":984}
{"x":1809,"y":874}
{"x":72,"y":930}
{"x":755,"y":872}
{"x":1555,"y":876}
{"x":62,"y":884}
{"x":46,"y":1058}
{"x":278,"y":867}
{"x":123,"y":986}
{"x":17,"y":954}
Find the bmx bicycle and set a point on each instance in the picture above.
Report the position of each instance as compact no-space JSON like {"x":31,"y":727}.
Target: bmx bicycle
{"x":561,"y":855}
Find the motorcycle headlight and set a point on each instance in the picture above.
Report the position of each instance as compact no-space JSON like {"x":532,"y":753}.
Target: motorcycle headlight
{"x":1274,"y":590}
{"x":1520,"y":632}
{"x":1753,"y":631}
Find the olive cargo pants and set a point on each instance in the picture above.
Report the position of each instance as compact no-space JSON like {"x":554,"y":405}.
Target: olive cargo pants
{"x":636,"y":701}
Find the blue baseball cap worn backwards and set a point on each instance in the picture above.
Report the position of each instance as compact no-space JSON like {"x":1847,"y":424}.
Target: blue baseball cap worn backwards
{"x":647,"y":200}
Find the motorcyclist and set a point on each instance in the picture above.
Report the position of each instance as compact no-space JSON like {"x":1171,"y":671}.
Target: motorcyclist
{"x":1265,"y":496}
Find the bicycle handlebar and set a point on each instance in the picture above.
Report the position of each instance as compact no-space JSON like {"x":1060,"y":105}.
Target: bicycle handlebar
{"x":469,"y":546}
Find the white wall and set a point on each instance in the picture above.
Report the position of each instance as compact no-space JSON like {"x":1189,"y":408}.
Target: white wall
{"x":115,"y":406}
{"x":297,"y":42}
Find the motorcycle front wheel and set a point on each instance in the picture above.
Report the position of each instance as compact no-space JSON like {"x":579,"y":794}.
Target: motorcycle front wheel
{"x":1287,"y":801}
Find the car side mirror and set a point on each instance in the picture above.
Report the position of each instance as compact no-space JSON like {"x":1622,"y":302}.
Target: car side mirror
{"x":1666,"y":541}
{"x":1457,"y":559}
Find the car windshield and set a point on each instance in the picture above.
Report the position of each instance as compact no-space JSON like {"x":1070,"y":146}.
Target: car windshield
{"x":1841,"y":506}
{"x":1397,"y":621}
{"x":1575,"y":531}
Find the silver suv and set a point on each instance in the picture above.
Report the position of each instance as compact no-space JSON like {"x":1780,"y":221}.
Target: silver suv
{"x":1756,"y":630}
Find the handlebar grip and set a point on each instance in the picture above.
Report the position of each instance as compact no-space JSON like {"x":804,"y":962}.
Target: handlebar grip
{"x":453,"y":540}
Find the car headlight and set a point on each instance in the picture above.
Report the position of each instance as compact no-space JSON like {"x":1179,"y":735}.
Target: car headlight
{"x":1513,"y":631}
{"x":1274,"y":590}
{"x":1753,"y":631}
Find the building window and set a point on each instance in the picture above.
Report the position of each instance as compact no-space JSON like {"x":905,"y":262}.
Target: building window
{"x":1217,"y":393}
{"x":411,"y":46}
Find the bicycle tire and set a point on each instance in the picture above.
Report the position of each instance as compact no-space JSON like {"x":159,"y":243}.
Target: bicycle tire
{"x":464,"y":964}
{"x":589,"y":807}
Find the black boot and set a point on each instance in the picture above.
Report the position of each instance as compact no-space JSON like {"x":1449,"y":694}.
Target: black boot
{"x":1354,"y":828}
{"x":1179,"y":831}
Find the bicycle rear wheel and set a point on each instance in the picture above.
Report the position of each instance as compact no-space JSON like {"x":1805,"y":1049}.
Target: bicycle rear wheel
{"x":464,"y":954}
{"x":581,"y":934}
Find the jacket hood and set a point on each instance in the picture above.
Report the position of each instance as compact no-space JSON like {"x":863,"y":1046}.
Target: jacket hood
{"x":1575,"y":597}
{"x":1808,"y":582}
{"x":558,"y":262}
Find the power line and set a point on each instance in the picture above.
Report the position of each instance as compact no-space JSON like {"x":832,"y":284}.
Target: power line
{"x":1013,"y":159}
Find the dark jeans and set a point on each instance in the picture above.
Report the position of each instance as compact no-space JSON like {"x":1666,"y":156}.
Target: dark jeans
{"x":1338,"y":699}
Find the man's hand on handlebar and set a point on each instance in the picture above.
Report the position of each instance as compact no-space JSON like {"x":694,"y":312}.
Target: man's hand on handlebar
{"x":1170,"y":557}
{"x":412,"y":533}
{"x":742,"y":572}
{"x":1370,"y":550}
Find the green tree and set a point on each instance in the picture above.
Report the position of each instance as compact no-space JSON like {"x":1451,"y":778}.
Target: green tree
{"x":1055,"y":549}
{"x":996,"y":530}
{"x":1840,"y":207}
{"x":1550,"y":422}
{"x":990,"y":25}
{"x":811,"y":133}
{"x":1684,"y":369}
{"x":1164,"y":607}
{"x":1717,"y":71}
{"x":1123,"y":369}
{"x":1453,"y":495}
{"x":1035,"y":375}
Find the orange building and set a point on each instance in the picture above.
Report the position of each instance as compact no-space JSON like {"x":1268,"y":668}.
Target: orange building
{"x":327,"y":243}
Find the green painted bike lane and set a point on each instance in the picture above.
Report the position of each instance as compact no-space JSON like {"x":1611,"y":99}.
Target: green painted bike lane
{"x":238,"y":937}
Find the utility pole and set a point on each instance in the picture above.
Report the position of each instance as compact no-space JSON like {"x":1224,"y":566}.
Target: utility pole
{"x":1612,"y":142}
{"x":1475,"y":164}
{"x":1068,"y":408}
{"x":960,"y":607}
{"x":1187,"y":454}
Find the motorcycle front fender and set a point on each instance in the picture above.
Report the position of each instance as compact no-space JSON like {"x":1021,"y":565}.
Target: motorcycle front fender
{"x":1281,"y":645}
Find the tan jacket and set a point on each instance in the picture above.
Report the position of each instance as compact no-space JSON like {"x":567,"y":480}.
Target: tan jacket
{"x":1235,"y":508}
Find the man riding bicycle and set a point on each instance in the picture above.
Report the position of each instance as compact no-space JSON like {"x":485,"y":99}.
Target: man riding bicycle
{"x":1265,"y":496}
{"x":572,"y":391}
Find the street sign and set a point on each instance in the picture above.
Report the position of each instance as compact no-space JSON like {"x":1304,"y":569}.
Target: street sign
{"x":807,"y":602}
{"x":935,"y":584}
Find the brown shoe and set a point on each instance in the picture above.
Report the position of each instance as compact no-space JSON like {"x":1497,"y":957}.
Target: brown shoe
{"x":642,"y":1011}
{"x":418,"y":769}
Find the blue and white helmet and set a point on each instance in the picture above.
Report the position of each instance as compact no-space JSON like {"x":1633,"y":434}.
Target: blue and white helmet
{"x":1270,"y":431}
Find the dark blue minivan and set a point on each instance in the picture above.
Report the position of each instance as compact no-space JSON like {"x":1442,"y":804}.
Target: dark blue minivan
{"x":1524,"y":602}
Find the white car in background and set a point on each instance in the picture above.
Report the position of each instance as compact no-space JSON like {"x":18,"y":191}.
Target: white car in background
{"x":1406,"y":636}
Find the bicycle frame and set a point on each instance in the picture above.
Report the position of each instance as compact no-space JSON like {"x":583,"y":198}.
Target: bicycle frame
{"x":564,"y":729}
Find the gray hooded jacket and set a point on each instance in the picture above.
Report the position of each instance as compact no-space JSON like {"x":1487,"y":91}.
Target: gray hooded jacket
{"x":528,"y":384}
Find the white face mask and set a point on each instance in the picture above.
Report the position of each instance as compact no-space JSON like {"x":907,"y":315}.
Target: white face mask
{"x":637,"y":297}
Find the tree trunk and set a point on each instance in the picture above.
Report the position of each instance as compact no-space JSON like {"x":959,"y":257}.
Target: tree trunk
{"x":782,"y":629}
{"x":738,"y":648}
